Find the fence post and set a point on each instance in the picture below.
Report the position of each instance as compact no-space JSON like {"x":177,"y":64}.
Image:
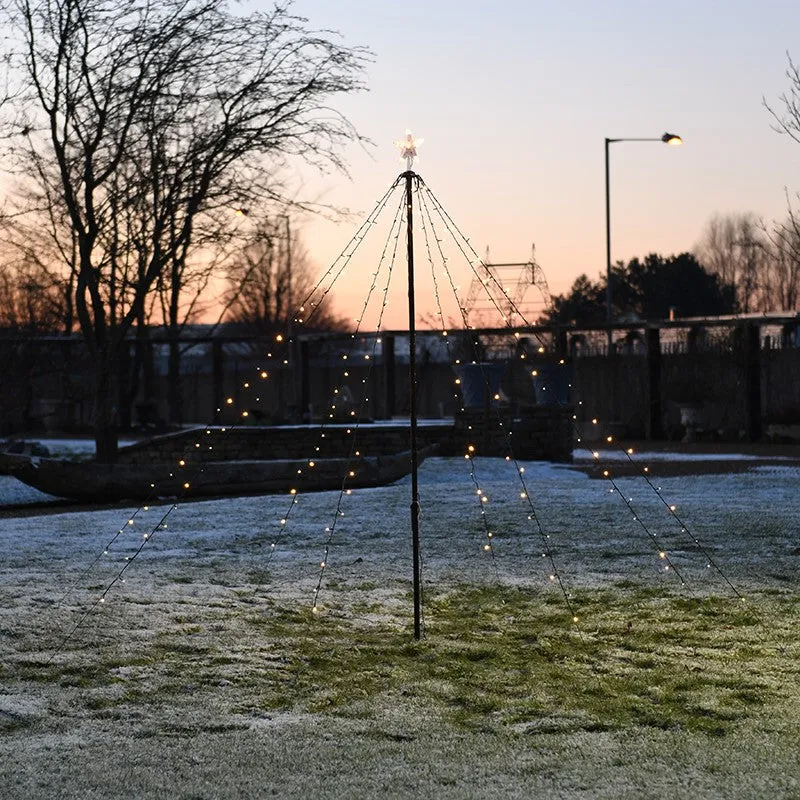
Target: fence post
{"x":124,"y":399}
{"x":389,"y":369}
{"x":653,"y":417}
{"x":217,"y":378}
{"x":752,"y":380}
{"x":305,"y":382}
{"x":562,"y":346}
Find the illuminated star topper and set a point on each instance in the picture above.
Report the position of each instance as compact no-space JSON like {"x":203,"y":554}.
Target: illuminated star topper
{"x":408,"y":148}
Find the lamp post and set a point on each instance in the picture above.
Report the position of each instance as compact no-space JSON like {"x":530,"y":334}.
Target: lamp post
{"x":667,"y":138}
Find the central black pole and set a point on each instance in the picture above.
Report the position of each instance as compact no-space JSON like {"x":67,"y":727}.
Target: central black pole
{"x":609,"y":298}
{"x":412,"y":361}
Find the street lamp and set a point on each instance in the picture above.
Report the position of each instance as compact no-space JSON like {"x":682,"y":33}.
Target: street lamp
{"x":667,"y":138}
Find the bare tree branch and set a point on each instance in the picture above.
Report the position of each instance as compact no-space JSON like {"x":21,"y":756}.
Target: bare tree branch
{"x":144,"y":120}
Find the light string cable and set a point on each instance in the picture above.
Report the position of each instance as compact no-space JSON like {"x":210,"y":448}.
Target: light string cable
{"x":554,"y":573}
{"x":482,"y":498}
{"x":344,"y":257}
{"x":662,"y":553}
{"x":474,"y":260}
{"x":310,"y":462}
{"x":643,"y":471}
{"x":392,"y":241}
{"x":183,"y":460}
{"x":685,"y":529}
{"x":118,"y":578}
{"x":152,"y":496}
{"x":105,"y":551}
{"x":341,"y":262}
{"x":684,"y":526}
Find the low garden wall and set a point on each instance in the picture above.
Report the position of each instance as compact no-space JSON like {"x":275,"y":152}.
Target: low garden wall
{"x":534,"y":433}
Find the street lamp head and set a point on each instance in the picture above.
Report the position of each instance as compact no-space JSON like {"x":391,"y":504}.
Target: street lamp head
{"x":671,"y":138}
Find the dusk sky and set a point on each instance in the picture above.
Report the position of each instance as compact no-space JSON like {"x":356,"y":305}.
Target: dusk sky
{"x":514,"y":100}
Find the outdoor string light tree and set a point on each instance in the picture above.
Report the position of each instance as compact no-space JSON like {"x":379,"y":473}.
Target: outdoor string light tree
{"x":427,"y":206}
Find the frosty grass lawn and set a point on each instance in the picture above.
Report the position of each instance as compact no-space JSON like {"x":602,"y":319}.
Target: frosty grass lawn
{"x":205,"y":674}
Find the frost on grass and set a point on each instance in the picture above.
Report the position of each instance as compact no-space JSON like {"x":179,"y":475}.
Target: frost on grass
{"x":211,"y":633}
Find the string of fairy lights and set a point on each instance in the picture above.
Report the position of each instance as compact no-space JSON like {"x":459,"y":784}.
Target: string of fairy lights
{"x":337,"y":391}
{"x":319,"y":293}
{"x":430,"y":207}
{"x":554,"y":573}
{"x":392,"y":241}
{"x":184,"y":460}
{"x":684,"y":527}
{"x":606,"y":471}
{"x":662,"y":554}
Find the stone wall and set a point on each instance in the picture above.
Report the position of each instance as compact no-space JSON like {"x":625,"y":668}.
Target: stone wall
{"x":532,"y":433}
{"x":535,"y":433}
{"x":216,"y":443}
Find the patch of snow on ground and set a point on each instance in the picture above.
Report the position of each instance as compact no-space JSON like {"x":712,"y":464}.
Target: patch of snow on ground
{"x":65,"y":448}
{"x":14,"y":492}
{"x":747,"y":521}
{"x":643,"y":457}
{"x":214,"y":564}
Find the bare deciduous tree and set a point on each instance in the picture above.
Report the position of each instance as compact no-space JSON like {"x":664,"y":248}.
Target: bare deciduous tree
{"x":175,"y":107}
{"x":269,"y":276}
{"x":785,"y":235}
{"x":785,"y":273}
{"x":735,"y":248}
{"x":31,"y":299}
{"x":787,"y":115}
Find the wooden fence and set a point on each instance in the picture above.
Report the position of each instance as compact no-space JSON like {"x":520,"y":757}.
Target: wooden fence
{"x":733,"y":378}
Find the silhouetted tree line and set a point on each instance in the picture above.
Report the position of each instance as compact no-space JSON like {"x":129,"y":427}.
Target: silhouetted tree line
{"x":740,"y":265}
{"x":646,"y":289}
{"x":760,"y":261}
